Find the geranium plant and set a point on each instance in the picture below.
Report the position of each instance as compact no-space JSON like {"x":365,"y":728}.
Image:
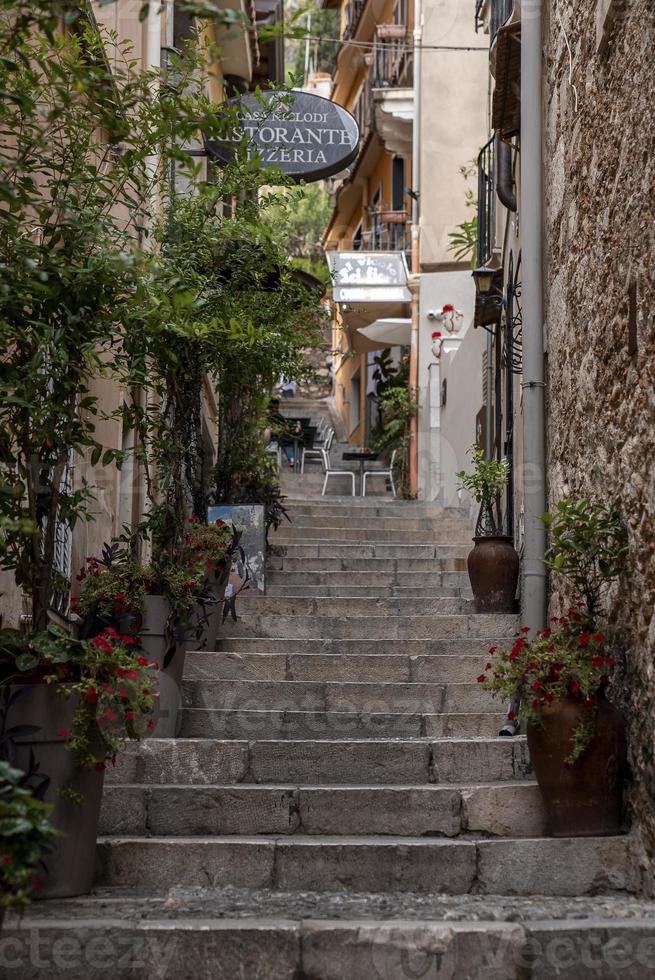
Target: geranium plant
{"x":116,"y":686}
{"x":26,"y":832}
{"x":568,"y":661}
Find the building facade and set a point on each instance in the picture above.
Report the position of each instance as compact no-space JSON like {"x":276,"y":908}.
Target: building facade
{"x":411,"y":75}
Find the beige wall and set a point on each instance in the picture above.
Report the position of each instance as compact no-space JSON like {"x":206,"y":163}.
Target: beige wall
{"x":453,"y":120}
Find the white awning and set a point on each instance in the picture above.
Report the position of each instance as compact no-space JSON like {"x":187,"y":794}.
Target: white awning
{"x":393,"y":331}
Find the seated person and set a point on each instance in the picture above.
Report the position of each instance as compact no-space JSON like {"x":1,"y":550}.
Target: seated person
{"x":282,"y":429}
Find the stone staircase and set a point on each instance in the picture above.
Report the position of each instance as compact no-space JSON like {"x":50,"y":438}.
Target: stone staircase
{"x":338,"y":806}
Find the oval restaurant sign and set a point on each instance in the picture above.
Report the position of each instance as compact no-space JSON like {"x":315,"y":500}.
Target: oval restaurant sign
{"x":306,"y":136}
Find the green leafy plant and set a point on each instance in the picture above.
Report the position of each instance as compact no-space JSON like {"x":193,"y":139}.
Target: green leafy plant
{"x":463,"y":241}
{"x":589,"y":545}
{"x":114,"y":683}
{"x":397,"y":408}
{"x":485,"y":483}
{"x":569,"y":661}
{"x":26,"y":832}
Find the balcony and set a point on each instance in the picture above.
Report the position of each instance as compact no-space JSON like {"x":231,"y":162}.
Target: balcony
{"x":487,"y":310}
{"x":390,"y":232}
{"x":354,"y":10}
{"x":391,"y":66}
{"x":505,"y":66}
{"x":494,"y":14}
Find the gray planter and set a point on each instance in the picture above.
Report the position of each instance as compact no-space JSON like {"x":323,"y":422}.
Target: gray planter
{"x":154,"y":642}
{"x":210,"y":616}
{"x":70,"y":862}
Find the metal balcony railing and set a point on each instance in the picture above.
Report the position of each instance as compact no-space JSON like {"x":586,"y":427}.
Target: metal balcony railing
{"x":392,"y":64}
{"x":353,"y":12}
{"x":501,"y":11}
{"x":384,"y":236}
{"x":486,"y":203}
{"x":363,"y":110}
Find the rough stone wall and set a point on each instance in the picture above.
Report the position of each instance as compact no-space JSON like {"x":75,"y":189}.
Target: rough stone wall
{"x":599,"y":229}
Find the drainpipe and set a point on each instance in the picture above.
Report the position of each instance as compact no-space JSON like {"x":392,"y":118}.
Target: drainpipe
{"x":153,"y":59}
{"x":416,"y":183}
{"x":534,"y":455}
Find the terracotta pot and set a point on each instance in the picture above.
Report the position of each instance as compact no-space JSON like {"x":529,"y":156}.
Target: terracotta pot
{"x":493,"y":567}
{"x":70,"y":860}
{"x":585,"y":799}
{"x":155,"y":643}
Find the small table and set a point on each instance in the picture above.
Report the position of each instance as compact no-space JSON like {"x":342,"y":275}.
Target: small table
{"x":362,"y":457}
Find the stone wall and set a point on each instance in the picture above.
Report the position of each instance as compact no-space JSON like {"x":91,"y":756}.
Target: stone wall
{"x":600,"y":313}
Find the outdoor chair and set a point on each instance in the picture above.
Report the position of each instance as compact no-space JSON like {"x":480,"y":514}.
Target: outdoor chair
{"x":316,"y":451}
{"x":274,"y":449}
{"x":388,"y":474}
{"x":330,"y":472}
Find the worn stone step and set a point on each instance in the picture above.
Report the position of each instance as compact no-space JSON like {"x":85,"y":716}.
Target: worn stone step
{"x":320,"y":548}
{"x":345,"y":606}
{"x":341,"y":696}
{"x":525,"y":866}
{"x":293,"y":533}
{"x":354,"y":563}
{"x":382,"y":626}
{"x":225,"y":723}
{"x":392,"y":667}
{"x":465,"y":646}
{"x":506,"y":809}
{"x":374,"y":521}
{"x":372,"y":579}
{"x":329,"y":936}
{"x":326,"y":763}
{"x":358,"y":592}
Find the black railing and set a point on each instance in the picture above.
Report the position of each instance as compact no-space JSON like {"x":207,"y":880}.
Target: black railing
{"x":353,"y":12}
{"x":392,"y":64}
{"x":363,"y":109}
{"x":501,"y":11}
{"x":383,"y":237}
{"x":486,"y":203}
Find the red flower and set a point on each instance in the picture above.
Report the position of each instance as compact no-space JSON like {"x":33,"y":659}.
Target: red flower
{"x":511,"y":715}
{"x":194,"y":519}
{"x":488,"y":666}
{"x":492,"y":649}
{"x":112,"y":631}
{"x":525,"y":629}
{"x":146,"y":692}
{"x":123,"y":693}
{"x":63,"y":733}
{"x":92,"y":696}
{"x":599,"y":638}
{"x":536,"y":686}
{"x":219,"y":523}
{"x":547,"y":634}
{"x":100,"y":643}
{"x":130,"y":716}
{"x":598,"y":661}
{"x":584,"y":639}
{"x":611,"y":662}
{"x":108,"y":688}
{"x":575,"y":687}
{"x":110,"y":715}
{"x":481,"y":679}
{"x":150,"y":724}
{"x":5,"y":859}
{"x":100,"y":767}
{"x":142,"y":661}
{"x":81,"y":575}
{"x":549,"y":697}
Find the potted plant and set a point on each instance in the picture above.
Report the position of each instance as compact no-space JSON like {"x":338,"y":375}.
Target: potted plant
{"x":26,"y":833}
{"x":493,"y":564}
{"x":67,"y":707}
{"x":576,"y":736}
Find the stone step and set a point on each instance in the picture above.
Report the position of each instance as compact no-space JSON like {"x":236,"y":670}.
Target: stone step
{"x":456,"y":646}
{"x":525,"y":866}
{"x":341,"y":696}
{"x":206,"y":761}
{"x":222,"y":723}
{"x":352,"y":562}
{"x":321,"y":548}
{"x":374,"y":579}
{"x":382,"y":626}
{"x":360,"y":592}
{"x":345,"y":606}
{"x":392,"y":667}
{"x":222,"y":934}
{"x":505,"y":809}
{"x":292,"y":534}
{"x":374,"y":522}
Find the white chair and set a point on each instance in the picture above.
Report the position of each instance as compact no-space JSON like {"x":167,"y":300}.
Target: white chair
{"x":274,"y":449}
{"x":316,"y":452}
{"x":330,"y":472}
{"x":385,"y":473}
